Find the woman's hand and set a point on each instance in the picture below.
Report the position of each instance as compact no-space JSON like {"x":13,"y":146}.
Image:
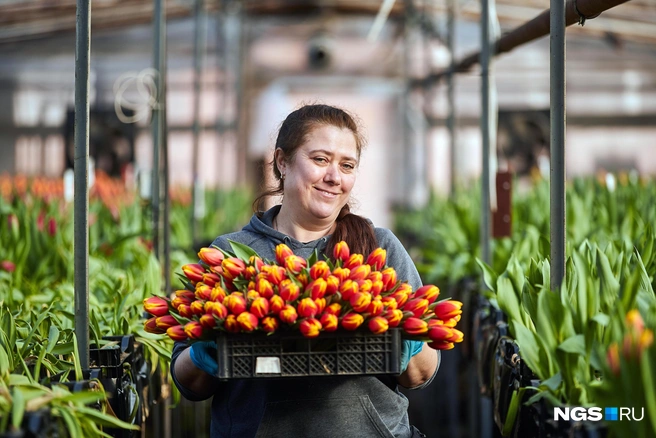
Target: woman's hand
{"x":420,"y":367}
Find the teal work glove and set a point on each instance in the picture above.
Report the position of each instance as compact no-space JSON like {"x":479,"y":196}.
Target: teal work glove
{"x":203,"y":355}
{"x":408,"y":351}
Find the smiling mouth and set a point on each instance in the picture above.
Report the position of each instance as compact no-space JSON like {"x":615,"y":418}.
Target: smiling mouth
{"x":327,"y":193}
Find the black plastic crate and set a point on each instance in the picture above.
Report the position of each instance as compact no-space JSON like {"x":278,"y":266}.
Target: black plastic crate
{"x":290,"y":354}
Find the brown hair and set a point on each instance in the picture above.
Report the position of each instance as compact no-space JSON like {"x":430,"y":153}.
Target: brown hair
{"x":355,"y":230}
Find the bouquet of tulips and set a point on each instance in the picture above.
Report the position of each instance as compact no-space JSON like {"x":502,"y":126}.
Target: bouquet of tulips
{"x":239,"y":292}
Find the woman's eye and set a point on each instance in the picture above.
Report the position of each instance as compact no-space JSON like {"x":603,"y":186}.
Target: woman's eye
{"x":320,"y":160}
{"x":348,"y":166}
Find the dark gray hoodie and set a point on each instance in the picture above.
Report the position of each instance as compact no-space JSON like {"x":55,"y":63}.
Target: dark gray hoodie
{"x":314,"y":407}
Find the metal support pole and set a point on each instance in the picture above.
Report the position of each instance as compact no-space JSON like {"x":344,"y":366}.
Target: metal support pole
{"x":485,"y":129}
{"x":166,"y":219}
{"x":451,"y":119}
{"x":199,"y":49}
{"x":557,"y":118}
{"x":159,"y":36}
{"x":81,"y":163}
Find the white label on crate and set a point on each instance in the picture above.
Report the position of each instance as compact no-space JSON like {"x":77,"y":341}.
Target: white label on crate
{"x":267,"y":365}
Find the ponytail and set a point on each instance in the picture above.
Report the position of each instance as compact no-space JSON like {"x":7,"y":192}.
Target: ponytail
{"x":356,"y":231}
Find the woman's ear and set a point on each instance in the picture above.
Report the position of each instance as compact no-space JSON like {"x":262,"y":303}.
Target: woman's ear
{"x":279,"y":159}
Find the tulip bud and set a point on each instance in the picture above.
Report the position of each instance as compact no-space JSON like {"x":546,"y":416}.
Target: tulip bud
{"x":289,"y":291}
{"x":341,"y":251}
{"x":187,"y":294}
{"x":194,"y":272}
{"x":360,"y":272}
{"x":197,"y":307}
{"x":276,"y":303}
{"x":452,"y":322}
{"x":156,"y":306}
{"x":295,"y":264}
{"x":218,"y":294}
{"x":275,"y":274}
{"x":440,"y":333}
{"x":185,"y":310}
{"x":307,"y":308}
{"x":211,"y":256}
{"x":231,"y":325}
{"x":389,"y":278}
{"x":207,"y":321}
{"x":334,"y":309}
{"x":320,"y":270}
{"x":352,"y":321}
{"x":376,"y":287}
{"x":321,"y":304}
{"x":447,"y":309}
{"x":428,"y":292}
{"x":378,"y":325}
{"x":260,"y":307}
{"x":288,"y":314}
{"x":12,"y":221}
{"x":177,"y":333}
{"x":52,"y":227}
{"x":310,"y":327}
{"x":269,"y":324}
{"x":329,"y":322}
{"x":317,"y":288}
{"x":441,"y":345}
{"x":389,"y":303}
{"x":634,"y":321}
{"x":417,"y":306}
{"x":354,"y":261}
{"x":235,"y":302}
{"x":233,"y":267}
{"x":166,"y":321}
{"x":415,"y":326}
{"x":193,"y":330}
{"x":150,"y":326}
{"x":360,"y":301}
{"x":332,"y":285}
{"x":8,"y":266}
{"x":264,"y":287}
{"x":282,"y":252}
{"x":375,"y":276}
{"x":376,"y":307}
{"x":364,"y":285}
{"x":179,"y":301}
{"x":303,"y":278}
{"x":342,"y":274}
{"x":394,"y":317}
{"x":251,"y":295}
{"x":613,"y":358}
{"x":250,"y":272}
{"x":348,"y":289}
{"x":211,"y":279}
{"x":247,"y":321}
{"x":377,"y":259}
{"x":219,"y":310}
{"x":256,"y":262}
{"x":203,"y":292}
{"x":400,"y":297}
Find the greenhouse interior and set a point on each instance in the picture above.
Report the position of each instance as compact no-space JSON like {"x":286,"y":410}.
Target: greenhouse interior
{"x":328,"y":218}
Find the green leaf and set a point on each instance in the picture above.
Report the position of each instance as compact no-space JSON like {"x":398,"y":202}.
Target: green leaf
{"x":574,"y":344}
{"x":601,"y":319}
{"x":313,"y":258}
{"x":242,"y":251}
{"x":489,"y":276}
{"x":528,"y":348}
{"x":53,"y":337}
{"x":18,"y":408}
{"x":507,"y":299}
{"x":104,"y":419}
{"x":647,"y":371}
{"x":76,"y":359}
{"x":513,"y":409}
{"x":552,"y":382}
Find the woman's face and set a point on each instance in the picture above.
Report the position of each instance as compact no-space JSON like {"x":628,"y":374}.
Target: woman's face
{"x":319,"y":178}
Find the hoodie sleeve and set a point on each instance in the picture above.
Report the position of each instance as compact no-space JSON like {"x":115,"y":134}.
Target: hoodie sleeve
{"x":398,"y":258}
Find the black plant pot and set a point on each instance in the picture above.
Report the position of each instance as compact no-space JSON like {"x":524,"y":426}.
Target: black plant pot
{"x":489,"y":327}
{"x":506,"y":377}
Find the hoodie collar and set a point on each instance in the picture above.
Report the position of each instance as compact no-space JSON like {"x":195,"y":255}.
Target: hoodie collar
{"x":264,"y":225}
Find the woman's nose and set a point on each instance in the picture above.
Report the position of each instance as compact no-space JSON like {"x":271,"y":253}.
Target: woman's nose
{"x":332,"y":175}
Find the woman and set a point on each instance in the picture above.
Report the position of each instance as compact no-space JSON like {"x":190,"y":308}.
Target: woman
{"x":315,"y":161}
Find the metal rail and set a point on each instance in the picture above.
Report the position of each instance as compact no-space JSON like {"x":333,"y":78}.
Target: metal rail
{"x":81,"y":166}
